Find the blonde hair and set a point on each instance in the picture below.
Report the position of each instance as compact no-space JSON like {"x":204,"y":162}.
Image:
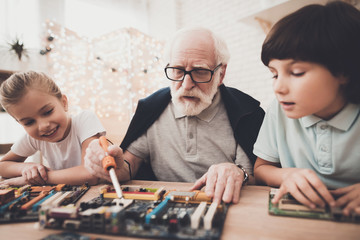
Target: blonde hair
{"x":18,"y":84}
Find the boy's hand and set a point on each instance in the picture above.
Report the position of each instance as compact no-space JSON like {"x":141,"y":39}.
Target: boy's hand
{"x":306,"y":187}
{"x":34,"y":173}
{"x":349,"y":198}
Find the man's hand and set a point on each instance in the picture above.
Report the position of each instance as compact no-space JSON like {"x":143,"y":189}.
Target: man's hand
{"x":223,"y":182}
{"x":34,"y":173}
{"x":349,"y":198}
{"x":94,"y":156}
{"x":306,"y":187}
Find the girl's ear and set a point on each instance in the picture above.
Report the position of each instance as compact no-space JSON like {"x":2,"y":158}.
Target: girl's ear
{"x":64,"y":102}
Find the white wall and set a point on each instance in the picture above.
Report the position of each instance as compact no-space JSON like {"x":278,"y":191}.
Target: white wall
{"x":245,"y":70}
{"x":162,"y":18}
{"x":158,"y":18}
{"x":93,"y":18}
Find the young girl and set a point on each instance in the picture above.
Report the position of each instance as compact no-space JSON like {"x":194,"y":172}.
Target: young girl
{"x":309,"y":141}
{"x":36,"y":102}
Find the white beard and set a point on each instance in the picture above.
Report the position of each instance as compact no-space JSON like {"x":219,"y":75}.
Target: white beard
{"x":193,"y":108}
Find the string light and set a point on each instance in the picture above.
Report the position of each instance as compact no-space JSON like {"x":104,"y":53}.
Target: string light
{"x":107,"y":74}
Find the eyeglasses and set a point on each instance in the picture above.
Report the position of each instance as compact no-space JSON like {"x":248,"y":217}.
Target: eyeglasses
{"x":197,"y":75}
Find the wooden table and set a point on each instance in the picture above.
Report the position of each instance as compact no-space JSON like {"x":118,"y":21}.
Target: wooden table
{"x":249,"y":219}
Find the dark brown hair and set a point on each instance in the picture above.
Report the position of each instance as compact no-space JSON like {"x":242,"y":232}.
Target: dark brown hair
{"x":328,"y":35}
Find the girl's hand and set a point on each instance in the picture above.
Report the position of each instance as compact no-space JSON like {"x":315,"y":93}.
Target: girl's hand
{"x":306,"y":187}
{"x":349,"y":198}
{"x":16,"y":181}
{"x":35,"y":173}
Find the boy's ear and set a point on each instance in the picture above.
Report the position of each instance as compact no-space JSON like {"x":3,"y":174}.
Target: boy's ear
{"x":64,"y":102}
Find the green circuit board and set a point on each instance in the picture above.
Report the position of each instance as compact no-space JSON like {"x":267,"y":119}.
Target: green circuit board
{"x":143,"y":213}
{"x":289,"y":206}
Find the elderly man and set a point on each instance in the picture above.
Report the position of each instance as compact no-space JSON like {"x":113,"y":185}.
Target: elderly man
{"x":197,"y":130}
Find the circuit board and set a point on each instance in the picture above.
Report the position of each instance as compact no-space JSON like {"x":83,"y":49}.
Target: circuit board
{"x":22,"y":204}
{"x":288,"y":206}
{"x":143,"y":213}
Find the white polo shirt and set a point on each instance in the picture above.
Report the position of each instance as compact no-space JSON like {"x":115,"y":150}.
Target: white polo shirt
{"x":330,"y":148}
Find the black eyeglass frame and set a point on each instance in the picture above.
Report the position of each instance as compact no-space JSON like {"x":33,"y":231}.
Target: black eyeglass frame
{"x":189,"y":72}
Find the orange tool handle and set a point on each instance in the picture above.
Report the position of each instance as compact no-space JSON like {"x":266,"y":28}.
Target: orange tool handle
{"x":108,"y":162}
{"x":28,"y":205}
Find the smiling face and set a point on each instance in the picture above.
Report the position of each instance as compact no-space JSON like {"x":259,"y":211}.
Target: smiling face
{"x":194,"y":50}
{"x":43,"y":116}
{"x":305,"y":88}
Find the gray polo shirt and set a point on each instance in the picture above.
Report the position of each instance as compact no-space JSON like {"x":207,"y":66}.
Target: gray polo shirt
{"x":182,"y":148}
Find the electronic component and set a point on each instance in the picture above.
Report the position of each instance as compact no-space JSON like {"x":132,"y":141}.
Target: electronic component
{"x":198,"y":214}
{"x":135,"y":192}
{"x":208,"y":219}
{"x":75,"y":194}
{"x":22,"y":204}
{"x":6,"y":195}
{"x":30,"y":203}
{"x":23,"y":189}
{"x":143,"y":212}
{"x":169,"y":215}
{"x":157,"y":210}
{"x":288,"y":206}
{"x":188,"y":197}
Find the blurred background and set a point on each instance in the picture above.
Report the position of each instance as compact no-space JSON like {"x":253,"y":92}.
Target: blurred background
{"x":107,"y":54}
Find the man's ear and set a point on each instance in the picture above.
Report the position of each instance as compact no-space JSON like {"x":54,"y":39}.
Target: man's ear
{"x":222,"y":73}
{"x":343,"y":80}
{"x":64,"y":102}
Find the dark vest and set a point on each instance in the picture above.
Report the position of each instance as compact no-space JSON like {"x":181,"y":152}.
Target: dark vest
{"x":244,"y":113}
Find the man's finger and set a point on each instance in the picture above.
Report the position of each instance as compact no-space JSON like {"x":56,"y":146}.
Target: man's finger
{"x":117,"y":153}
{"x":229,"y":190}
{"x":199,"y":183}
{"x":219,"y":190}
{"x":237,"y":190}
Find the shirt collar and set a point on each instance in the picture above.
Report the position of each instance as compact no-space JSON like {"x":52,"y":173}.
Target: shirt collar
{"x":207,"y":114}
{"x":343,"y":120}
